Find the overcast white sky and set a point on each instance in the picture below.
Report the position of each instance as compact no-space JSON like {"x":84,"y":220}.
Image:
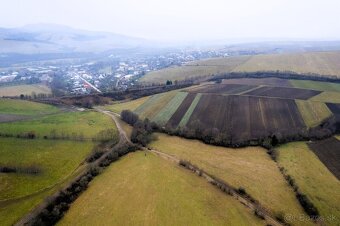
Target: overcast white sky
{"x":184,"y":19}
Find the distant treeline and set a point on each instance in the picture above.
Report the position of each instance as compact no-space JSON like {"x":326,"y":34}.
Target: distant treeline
{"x":277,"y":74}
{"x":88,"y":101}
{"x":102,"y":136}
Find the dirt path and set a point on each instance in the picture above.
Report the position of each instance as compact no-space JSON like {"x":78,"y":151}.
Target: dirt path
{"x":270,"y":220}
{"x":122,"y":134}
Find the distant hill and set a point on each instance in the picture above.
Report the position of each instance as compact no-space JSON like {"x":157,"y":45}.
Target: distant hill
{"x":322,"y":63}
{"x":50,"y":38}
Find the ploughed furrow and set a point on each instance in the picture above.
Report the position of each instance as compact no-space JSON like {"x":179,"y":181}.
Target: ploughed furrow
{"x":181,"y":111}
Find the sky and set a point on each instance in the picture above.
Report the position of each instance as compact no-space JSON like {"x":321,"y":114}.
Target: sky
{"x":184,"y":20}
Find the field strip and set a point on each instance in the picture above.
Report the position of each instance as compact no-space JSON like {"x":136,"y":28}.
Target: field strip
{"x":253,"y":206}
{"x":165,"y":114}
{"x":190,"y":110}
{"x":250,"y":90}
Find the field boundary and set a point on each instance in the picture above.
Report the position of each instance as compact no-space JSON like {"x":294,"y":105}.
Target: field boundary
{"x":245,"y":199}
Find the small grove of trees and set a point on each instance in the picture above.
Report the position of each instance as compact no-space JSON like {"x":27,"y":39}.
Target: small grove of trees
{"x":142,"y":129}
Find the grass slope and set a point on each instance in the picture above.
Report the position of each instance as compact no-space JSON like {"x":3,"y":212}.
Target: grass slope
{"x":148,"y":190}
{"x":165,"y":113}
{"x":313,"y":113}
{"x":194,"y":69}
{"x":327,"y":97}
{"x":154,"y":104}
{"x":313,"y":178}
{"x":23,"y":107}
{"x":129,"y":105}
{"x":24,"y":89}
{"x":322,"y":86}
{"x":250,"y":168}
{"x":87,"y":123}
{"x":55,"y":158}
{"x":323,"y":63}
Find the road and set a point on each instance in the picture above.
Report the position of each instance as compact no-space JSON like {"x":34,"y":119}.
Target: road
{"x":92,"y":86}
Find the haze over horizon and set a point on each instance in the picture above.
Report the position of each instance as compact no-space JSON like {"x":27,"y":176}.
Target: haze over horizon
{"x":184,"y":20}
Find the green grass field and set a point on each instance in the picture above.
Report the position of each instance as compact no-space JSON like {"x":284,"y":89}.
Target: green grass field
{"x":148,"y":190}
{"x":313,"y":178}
{"x":87,"y":123}
{"x":24,"y":89}
{"x":322,"y":86}
{"x":327,"y":97}
{"x":313,"y":113}
{"x":250,"y":168}
{"x":129,"y":105}
{"x":23,"y":107}
{"x":165,"y":113}
{"x":57,"y":161}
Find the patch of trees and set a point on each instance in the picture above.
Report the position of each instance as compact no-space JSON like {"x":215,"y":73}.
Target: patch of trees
{"x":277,"y":74}
{"x":54,"y":208}
{"x":142,"y":129}
{"x":85,"y":101}
{"x":304,"y":201}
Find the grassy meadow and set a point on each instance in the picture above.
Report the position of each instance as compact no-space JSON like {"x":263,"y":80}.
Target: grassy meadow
{"x":148,"y":190}
{"x":327,"y":97}
{"x":57,"y":162}
{"x":128,"y":105}
{"x":313,"y":113}
{"x":202,"y":68}
{"x":322,"y":63}
{"x":23,"y":107}
{"x":321,"y":86}
{"x":17,"y":90}
{"x":87,"y":124}
{"x":313,"y":178}
{"x":250,"y":168}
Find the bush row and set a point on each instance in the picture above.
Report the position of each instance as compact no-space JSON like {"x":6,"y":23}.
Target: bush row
{"x":55,"y":207}
{"x":304,"y":201}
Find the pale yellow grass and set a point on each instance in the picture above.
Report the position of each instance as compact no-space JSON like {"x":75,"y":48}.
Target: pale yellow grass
{"x":24,"y":89}
{"x":148,"y":190}
{"x":194,"y":69}
{"x":313,"y":178}
{"x":313,"y":113}
{"x":323,"y":63}
{"x":128,"y":105}
{"x":250,"y":168}
{"x":327,"y":97}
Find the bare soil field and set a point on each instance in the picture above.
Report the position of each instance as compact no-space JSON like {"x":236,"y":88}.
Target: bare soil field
{"x":328,"y":151}
{"x":283,"y":92}
{"x":223,"y":88}
{"x":335,"y":108}
{"x":259,"y":81}
{"x":246,"y":117}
